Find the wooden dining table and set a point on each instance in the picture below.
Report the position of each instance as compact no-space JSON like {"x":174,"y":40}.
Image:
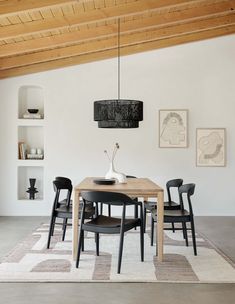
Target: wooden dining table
{"x":135,"y":187}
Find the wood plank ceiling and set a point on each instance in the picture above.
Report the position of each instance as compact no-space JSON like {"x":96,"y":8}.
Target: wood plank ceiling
{"x":39,"y":35}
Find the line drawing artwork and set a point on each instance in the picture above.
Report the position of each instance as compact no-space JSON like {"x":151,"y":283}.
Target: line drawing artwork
{"x":210,"y":146}
{"x":173,"y":128}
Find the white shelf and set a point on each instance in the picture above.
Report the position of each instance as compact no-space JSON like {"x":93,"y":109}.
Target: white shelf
{"x":31,"y":133}
{"x":29,"y":200}
{"x":30,"y":162}
{"x":30,"y":97}
{"x":30,"y":122}
{"x":24,"y":174}
{"x":32,"y":136}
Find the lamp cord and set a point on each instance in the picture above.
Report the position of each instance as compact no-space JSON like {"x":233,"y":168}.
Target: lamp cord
{"x":119,"y":80}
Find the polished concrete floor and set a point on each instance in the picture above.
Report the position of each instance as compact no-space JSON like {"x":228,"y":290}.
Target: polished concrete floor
{"x":220,"y":230}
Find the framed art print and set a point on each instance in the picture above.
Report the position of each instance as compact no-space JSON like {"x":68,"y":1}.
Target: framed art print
{"x":173,"y":128}
{"x":211,"y":147}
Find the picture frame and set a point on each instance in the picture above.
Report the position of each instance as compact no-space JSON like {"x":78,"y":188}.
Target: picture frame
{"x":173,"y":128}
{"x":210,"y":147}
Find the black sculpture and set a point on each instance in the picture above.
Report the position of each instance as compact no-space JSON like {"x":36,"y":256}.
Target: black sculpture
{"x":32,"y":190}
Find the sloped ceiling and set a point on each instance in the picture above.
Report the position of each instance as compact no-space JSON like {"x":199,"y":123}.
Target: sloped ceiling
{"x":40,"y":35}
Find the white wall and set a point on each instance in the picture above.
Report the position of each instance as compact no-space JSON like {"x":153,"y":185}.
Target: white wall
{"x":197,"y":76}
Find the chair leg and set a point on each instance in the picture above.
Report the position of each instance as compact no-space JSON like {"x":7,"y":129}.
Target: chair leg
{"x":193,"y":237}
{"x":101,"y":208}
{"x":136,"y":212}
{"x":64,"y":228}
{"x":120,"y":251}
{"x":142,"y":235}
{"x":173,"y":227}
{"x":53,"y":227}
{"x":109,"y":210}
{"x":185,"y":233}
{"x":52,"y":224}
{"x":145,"y":219}
{"x":97,"y":244}
{"x":80,"y":240}
{"x":152,"y":230}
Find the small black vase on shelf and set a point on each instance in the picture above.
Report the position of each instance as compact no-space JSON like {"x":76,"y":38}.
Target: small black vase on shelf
{"x":32,"y":190}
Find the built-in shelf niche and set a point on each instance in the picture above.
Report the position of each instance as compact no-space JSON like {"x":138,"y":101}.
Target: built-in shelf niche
{"x":32,"y":137}
{"x":24,"y":174}
{"x":30,"y":97}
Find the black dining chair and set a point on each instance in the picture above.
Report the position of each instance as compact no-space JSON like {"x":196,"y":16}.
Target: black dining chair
{"x":63,"y":209}
{"x":64,"y":180}
{"x":169,"y":204}
{"x":135,"y":207}
{"x":181,"y":215}
{"x":108,"y":224}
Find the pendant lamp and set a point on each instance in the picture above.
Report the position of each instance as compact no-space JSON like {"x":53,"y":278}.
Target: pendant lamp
{"x":118,"y":113}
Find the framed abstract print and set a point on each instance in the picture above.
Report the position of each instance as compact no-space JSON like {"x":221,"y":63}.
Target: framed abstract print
{"x":211,"y":147}
{"x":173,"y":128}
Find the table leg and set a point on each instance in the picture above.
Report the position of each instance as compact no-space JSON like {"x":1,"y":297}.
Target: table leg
{"x":75,"y":222}
{"x":160,"y":225}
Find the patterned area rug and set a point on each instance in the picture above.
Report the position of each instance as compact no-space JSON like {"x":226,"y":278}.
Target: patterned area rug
{"x":31,"y":261}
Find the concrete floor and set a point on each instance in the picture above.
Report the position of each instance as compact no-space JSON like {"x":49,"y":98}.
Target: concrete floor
{"x":220,"y":230}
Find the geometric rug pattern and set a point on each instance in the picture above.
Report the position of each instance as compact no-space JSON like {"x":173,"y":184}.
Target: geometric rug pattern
{"x":30,"y":261}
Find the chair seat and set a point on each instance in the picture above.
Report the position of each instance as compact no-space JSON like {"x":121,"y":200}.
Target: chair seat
{"x":64,"y":202}
{"x":66,"y":211}
{"x":172,"y":214}
{"x":167,"y":205}
{"x":102,"y":222}
{"x":176,"y":213}
{"x":171,"y":206}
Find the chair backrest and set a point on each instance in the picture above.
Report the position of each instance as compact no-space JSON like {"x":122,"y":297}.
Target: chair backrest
{"x":187,"y":189}
{"x":110,"y":198}
{"x":173,"y":183}
{"x":59,"y":185}
{"x":63,"y":179}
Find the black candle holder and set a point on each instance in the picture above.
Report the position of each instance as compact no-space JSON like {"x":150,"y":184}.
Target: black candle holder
{"x":32,"y":190}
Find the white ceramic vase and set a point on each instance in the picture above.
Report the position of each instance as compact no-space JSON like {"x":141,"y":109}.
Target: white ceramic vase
{"x":120,"y":177}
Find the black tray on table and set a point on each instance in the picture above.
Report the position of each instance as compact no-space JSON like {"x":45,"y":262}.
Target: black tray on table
{"x":104,"y":181}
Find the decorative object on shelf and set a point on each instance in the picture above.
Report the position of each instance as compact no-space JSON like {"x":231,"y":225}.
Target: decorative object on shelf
{"x":35,"y":153}
{"x":173,"y":128}
{"x":34,"y":156}
{"x":22,"y":147}
{"x":33,"y":111}
{"x":118,"y":113}
{"x":32,"y":116}
{"x":39,"y":151}
{"x":32,"y":190}
{"x":112,"y":173}
{"x":211,"y":147}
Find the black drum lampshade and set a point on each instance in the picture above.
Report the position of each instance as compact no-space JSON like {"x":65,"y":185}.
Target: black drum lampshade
{"x":118,"y":113}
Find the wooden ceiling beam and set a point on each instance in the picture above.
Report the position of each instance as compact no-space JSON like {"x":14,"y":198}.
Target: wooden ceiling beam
{"x":111,"y":43}
{"x":61,"y":63}
{"x":123,"y":9}
{"x":12,"y":7}
{"x":65,"y":39}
